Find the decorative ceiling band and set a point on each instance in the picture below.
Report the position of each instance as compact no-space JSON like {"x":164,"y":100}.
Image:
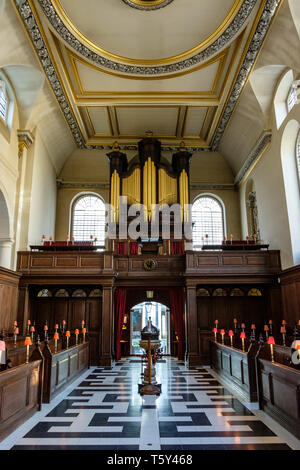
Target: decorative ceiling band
{"x":37,"y":39}
{"x":259,"y":148}
{"x":259,"y":35}
{"x":147,"y":5}
{"x":219,"y":44}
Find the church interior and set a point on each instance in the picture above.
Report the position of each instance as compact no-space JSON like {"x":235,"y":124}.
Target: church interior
{"x":150,"y":225}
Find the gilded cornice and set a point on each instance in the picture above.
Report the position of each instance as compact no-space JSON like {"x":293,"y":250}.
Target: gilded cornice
{"x":259,"y":148}
{"x":125,"y":68}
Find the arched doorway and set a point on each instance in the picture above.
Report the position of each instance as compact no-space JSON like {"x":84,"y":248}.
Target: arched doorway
{"x":160,"y":317}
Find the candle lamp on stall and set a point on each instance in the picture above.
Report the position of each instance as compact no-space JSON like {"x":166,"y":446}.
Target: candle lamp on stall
{"x":82,"y":324}
{"x":84,"y":333}
{"x":215,"y":331}
{"x":255,"y":237}
{"x":271,"y":342}
{"x":231,"y":334}
{"x":271,"y":327}
{"x":283,"y":332}
{"x":283,"y":322}
{"x":28,"y":327}
{"x":68,"y":238}
{"x":51,"y":240}
{"x":56,"y":338}
{"x":243,"y":326}
{"x":16,"y":332}
{"x":46,"y":331}
{"x":243,"y":337}
{"x":32,"y":331}
{"x":235,"y":322}
{"x":56,"y":327}
{"x":43,"y":239}
{"x":253,"y":328}
{"x":231,"y":237}
{"x":222,"y":332}
{"x":68,"y":334}
{"x":266,"y":330}
{"x":77,"y":334}
{"x":27,"y":343}
{"x":64,"y":325}
{"x":247,"y":239}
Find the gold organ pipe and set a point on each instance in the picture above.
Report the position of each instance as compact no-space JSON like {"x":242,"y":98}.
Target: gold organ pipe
{"x":117,"y":194}
{"x":112,"y":196}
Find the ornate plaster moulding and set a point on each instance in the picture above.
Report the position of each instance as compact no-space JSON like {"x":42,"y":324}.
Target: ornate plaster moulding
{"x":29,"y":20}
{"x":161,"y":69}
{"x":147,"y":5}
{"x":259,"y":148}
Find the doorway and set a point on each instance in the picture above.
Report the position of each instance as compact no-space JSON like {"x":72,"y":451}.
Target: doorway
{"x":160,"y":317}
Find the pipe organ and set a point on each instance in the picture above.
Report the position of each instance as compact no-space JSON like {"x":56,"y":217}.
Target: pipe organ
{"x":149,"y":178}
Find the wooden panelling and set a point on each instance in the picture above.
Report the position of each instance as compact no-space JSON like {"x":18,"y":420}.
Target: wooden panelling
{"x":9,"y":293}
{"x":62,"y":368}
{"x":290,"y":288}
{"x":73,"y":311}
{"x":241,"y":262}
{"x":57,"y":262}
{"x":19,"y":395}
{"x":279,"y":393}
{"x":236,"y":368}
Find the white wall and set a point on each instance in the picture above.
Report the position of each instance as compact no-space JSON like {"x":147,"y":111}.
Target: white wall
{"x":43,"y":194}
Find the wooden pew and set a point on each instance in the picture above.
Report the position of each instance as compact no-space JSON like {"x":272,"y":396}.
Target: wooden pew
{"x":62,"y":368}
{"x":20,"y":393}
{"x":236,"y":368}
{"x":279,"y":387}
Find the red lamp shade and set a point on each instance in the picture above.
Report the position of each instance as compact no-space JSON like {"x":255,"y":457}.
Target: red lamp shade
{"x":283,"y":322}
{"x":43,"y":237}
{"x":283,"y":330}
{"x":222,"y":332}
{"x":64,"y":322}
{"x":27,"y":341}
{"x":68,"y":236}
{"x":68,"y":334}
{"x":270,"y":322}
{"x":266,"y":328}
{"x":51,"y":238}
{"x":32,"y":329}
{"x":83,"y":330}
{"x":215,"y":330}
{"x":243,"y":325}
{"x":76,"y":332}
{"x":28,"y":322}
{"x":56,"y":336}
{"x":235,"y":320}
{"x":230,"y":333}
{"x":271,"y":340}
{"x":83,"y":322}
{"x":45,"y":327}
{"x":253,"y":327}
{"x":15,"y":323}
{"x":56,"y":326}
{"x":216,"y":322}
{"x":243,"y":335}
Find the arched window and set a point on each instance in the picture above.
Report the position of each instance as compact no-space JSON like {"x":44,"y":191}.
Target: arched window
{"x":208,"y":222}
{"x":3,"y":101}
{"x":292,"y":97}
{"x":88,"y":218}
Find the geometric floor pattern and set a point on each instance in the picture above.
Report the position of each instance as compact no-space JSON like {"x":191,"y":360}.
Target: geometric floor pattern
{"x":104,"y":411}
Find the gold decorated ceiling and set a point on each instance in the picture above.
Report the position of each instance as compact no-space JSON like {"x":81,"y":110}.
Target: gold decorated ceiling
{"x":112,"y":104}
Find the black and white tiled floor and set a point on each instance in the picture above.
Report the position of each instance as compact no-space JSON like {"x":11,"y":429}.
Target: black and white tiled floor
{"x":103,"y":411}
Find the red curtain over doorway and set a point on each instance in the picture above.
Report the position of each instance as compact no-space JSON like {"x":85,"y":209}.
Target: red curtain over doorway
{"x":120,"y":308}
{"x":177,"y":309}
